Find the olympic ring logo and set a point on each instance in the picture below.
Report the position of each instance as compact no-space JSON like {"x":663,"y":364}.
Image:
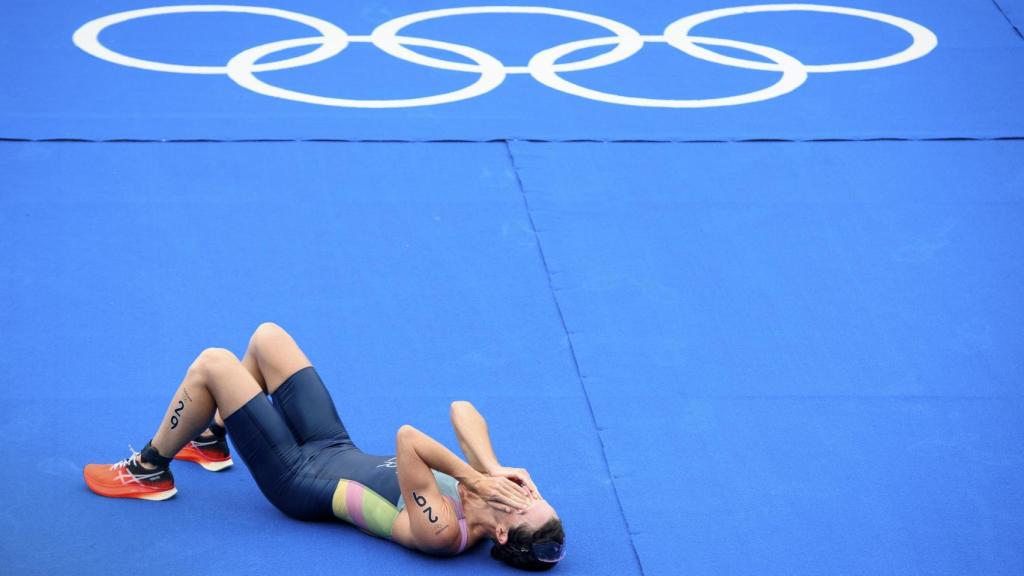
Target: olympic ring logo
{"x":546,"y":66}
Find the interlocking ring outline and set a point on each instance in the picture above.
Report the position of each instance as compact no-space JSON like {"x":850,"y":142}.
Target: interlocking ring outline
{"x":87,"y":37}
{"x":240,"y":69}
{"x":543,"y":66}
{"x":793,"y":75}
{"x":924,"y":39}
{"x":629,"y":39}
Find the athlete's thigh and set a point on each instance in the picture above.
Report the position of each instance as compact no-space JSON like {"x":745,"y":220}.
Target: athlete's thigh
{"x":276,"y":354}
{"x":270,"y":451}
{"x":309,"y":410}
{"x":299,"y":394}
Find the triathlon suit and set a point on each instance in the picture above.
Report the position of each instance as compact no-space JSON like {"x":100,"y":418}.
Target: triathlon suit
{"x":305,"y":463}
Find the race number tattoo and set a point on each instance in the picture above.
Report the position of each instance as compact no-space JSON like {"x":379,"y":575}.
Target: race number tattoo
{"x":177,"y":413}
{"x":428,"y":510}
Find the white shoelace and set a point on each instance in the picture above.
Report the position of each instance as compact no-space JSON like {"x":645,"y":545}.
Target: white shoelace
{"x":133,"y":459}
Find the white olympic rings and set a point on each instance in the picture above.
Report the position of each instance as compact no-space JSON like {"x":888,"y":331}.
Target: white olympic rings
{"x":629,"y":41}
{"x":924,"y":40}
{"x":545,"y":66}
{"x":240,"y":69}
{"x":87,"y":37}
{"x":793,"y":75}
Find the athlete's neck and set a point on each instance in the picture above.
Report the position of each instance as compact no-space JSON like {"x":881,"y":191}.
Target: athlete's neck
{"x":480,"y":518}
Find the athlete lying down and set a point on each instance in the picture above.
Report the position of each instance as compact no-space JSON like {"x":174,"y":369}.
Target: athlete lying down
{"x":304,"y":462}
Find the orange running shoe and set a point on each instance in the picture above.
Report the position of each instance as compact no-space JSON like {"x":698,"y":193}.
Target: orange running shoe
{"x":211,"y":453}
{"x":128,"y":479}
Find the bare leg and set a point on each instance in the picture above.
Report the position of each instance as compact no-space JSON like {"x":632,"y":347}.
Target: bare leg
{"x":216,"y":380}
{"x":272,"y":356}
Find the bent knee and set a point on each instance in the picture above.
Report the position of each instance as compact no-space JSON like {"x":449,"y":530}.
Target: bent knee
{"x":213,"y":359}
{"x":265,"y":332}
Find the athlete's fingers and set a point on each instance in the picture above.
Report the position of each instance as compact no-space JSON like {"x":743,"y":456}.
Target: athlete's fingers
{"x":522,"y":502}
{"x":499,"y":489}
{"x":523,"y":487}
{"x":500,"y":507}
{"x":526,"y":485}
{"x":506,"y":504}
{"x":510,"y":493}
{"x":510,"y":500}
{"x":530,"y":484}
{"x":522,"y":477}
{"x":511,"y":496}
{"x":518,"y":485}
{"x":520,"y":493}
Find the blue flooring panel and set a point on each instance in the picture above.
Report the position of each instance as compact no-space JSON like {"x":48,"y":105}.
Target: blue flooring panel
{"x":969,"y":86}
{"x":802,"y":358}
{"x":410,"y":274}
{"x":1014,"y":11}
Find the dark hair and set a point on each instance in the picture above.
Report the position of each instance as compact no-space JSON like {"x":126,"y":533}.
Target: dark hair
{"x":516,"y":550}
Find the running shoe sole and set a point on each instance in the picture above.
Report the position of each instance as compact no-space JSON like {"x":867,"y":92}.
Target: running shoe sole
{"x":216,"y":466}
{"x":160,"y":495}
{"x":190,"y":454}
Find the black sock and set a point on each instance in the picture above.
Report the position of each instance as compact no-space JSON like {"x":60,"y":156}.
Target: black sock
{"x":151,"y":456}
{"x":218,"y":431}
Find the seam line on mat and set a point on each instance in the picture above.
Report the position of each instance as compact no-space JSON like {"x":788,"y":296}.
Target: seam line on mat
{"x":1008,"y":19}
{"x":72,"y":140}
{"x":572,"y":349}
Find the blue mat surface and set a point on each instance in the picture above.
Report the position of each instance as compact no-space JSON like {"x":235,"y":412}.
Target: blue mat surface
{"x":1014,"y":10}
{"x":825,"y":349}
{"x":717,"y":357}
{"x":968,"y":86}
{"x":405,"y":296}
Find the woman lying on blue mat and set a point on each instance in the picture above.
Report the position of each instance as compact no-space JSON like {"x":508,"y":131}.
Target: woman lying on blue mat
{"x":283,"y":423}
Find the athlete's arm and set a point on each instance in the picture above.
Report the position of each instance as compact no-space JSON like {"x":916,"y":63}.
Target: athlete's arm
{"x":474,"y":438}
{"x":475,"y":441}
{"x":433,"y":527}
